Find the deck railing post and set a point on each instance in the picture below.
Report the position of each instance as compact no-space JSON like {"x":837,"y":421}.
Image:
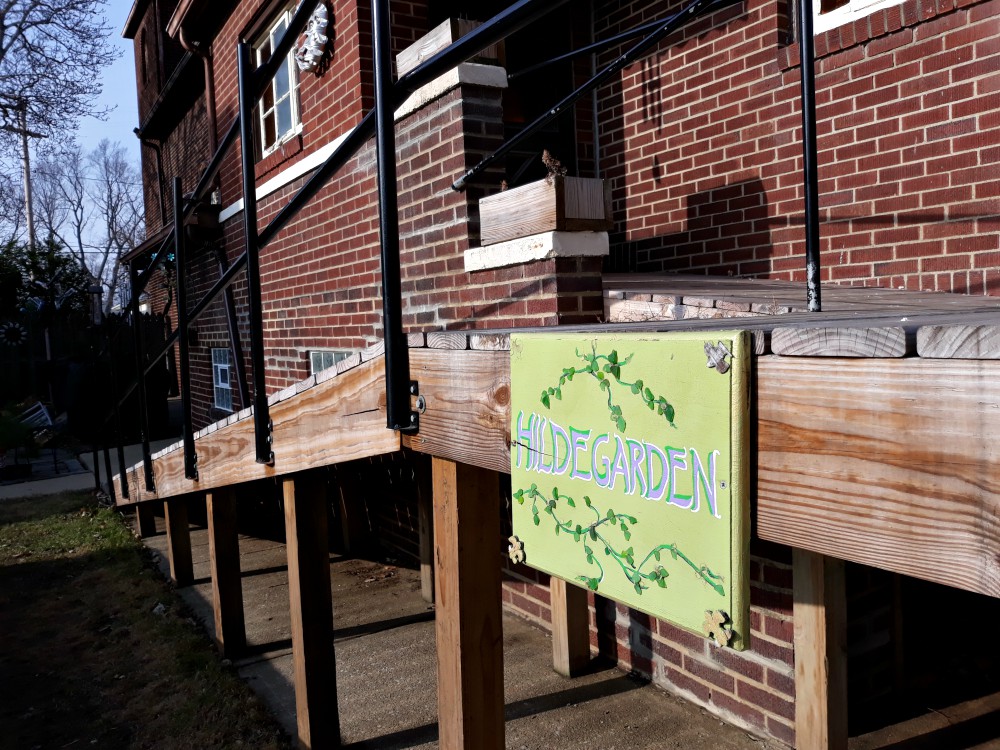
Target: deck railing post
{"x":261,"y":417}
{"x":810,"y":168}
{"x":399,"y":415}
{"x":180,"y":258}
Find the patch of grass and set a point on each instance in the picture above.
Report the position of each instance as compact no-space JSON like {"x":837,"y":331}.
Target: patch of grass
{"x":85,"y":660}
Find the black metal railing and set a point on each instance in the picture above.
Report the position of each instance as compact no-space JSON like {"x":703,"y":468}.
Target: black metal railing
{"x":380,"y":122}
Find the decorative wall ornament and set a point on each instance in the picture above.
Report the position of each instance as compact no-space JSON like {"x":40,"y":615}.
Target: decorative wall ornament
{"x":312,"y":49}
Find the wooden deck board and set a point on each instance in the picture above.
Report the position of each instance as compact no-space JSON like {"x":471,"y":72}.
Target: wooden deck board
{"x":339,"y":420}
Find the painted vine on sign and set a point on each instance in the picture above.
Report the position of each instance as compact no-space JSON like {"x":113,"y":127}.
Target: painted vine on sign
{"x":600,"y":373}
{"x":625,"y":558}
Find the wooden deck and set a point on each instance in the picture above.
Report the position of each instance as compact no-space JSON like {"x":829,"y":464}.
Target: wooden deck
{"x":873,"y":431}
{"x":876,"y":447}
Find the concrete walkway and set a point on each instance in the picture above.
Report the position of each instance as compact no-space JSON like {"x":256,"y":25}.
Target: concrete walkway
{"x":76,"y":473}
{"x":386,"y":666}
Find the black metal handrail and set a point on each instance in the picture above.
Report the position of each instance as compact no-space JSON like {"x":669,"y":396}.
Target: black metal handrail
{"x":380,"y":121}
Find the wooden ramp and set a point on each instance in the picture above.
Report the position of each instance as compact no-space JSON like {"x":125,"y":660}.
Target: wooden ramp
{"x":874,"y":431}
{"x":334,"y":416}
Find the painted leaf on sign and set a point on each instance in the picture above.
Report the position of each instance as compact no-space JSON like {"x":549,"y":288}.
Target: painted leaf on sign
{"x":628,"y":470}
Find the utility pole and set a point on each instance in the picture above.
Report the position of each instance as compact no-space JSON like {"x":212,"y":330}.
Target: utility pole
{"x":29,"y":214}
{"x":22,"y":130}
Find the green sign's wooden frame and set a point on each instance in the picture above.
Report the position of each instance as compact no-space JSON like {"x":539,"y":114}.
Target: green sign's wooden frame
{"x":629,"y":460}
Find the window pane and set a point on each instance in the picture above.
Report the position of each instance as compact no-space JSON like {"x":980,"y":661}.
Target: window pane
{"x":269,"y":134}
{"x":281,"y":84}
{"x":267,"y":101}
{"x":284,"y":111}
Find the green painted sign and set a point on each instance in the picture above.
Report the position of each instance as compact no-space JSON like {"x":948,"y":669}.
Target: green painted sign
{"x":628,"y":471}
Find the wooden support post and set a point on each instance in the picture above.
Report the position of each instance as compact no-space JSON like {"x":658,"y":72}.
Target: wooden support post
{"x":425,"y":525}
{"x":145,"y":522}
{"x":311,"y":608}
{"x":467,"y":593}
{"x":175,"y":513}
{"x":224,"y":556}
{"x":820,"y":652}
{"x":570,"y":628}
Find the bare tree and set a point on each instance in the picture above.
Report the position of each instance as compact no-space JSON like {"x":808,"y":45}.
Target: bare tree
{"x":91,"y":204}
{"x":61,"y":198}
{"x":11,"y":210}
{"x":117,"y":200}
{"x":50,"y":53}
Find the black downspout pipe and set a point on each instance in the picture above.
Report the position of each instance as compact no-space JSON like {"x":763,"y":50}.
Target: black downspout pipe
{"x":140,"y":374}
{"x":180,"y":250}
{"x":810,"y":165}
{"x":399,"y":416}
{"x":261,"y":416}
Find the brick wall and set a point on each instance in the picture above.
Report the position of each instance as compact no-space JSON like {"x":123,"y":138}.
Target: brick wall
{"x":701,"y":139}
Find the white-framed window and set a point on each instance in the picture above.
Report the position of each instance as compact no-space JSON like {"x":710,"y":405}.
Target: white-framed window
{"x":828,"y":14}
{"x":221,"y":387}
{"x":324,"y":359}
{"x":279,"y":106}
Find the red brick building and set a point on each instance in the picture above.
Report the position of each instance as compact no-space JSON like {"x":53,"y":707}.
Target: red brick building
{"x":700,"y":143}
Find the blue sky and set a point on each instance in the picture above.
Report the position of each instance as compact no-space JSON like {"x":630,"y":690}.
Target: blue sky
{"x":118,"y":92}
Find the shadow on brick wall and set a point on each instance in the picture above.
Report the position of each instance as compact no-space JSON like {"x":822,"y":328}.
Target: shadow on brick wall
{"x":725,"y":226}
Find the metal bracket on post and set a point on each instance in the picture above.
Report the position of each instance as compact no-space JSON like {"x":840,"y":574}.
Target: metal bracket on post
{"x":421,"y":407}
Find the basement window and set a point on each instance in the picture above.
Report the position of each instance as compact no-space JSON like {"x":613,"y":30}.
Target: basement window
{"x":223,"y":392}
{"x":828,"y":14}
{"x":324,"y":359}
{"x":279,"y":106}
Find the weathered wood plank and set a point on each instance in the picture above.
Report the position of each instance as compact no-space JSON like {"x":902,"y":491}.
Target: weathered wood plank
{"x":339,"y":420}
{"x":820,"y":617}
{"x":437,"y":39}
{"x":557,"y":204}
{"x":778,"y":293}
{"x":840,"y":342}
{"x":224,"y":559}
{"x":570,"y":628}
{"x":490,"y":342}
{"x":175,"y":513}
{"x":448,"y":340}
{"x":467,"y":618}
{"x":311,"y":610}
{"x":468,"y":406}
{"x":890,"y":463}
{"x":425,"y":531}
{"x":959,"y":342}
